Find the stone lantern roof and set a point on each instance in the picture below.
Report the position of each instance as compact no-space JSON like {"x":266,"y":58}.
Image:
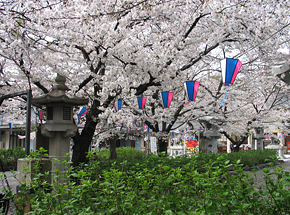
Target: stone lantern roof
{"x":57,"y":95}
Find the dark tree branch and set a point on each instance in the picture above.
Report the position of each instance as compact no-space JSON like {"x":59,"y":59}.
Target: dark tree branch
{"x":84,"y":83}
{"x":123,"y":62}
{"x":219,"y":88}
{"x":209,"y":91}
{"x":84,"y":52}
{"x":238,"y":142}
{"x":256,"y":108}
{"x":137,"y":22}
{"x":1,"y":71}
{"x":204,"y":53}
{"x":194,"y":61}
{"x":143,"y":87}
{"x":194,"y":24}
{"x":276,"y":96}
{"x":95,"y":70}
{"x":40,"y":86}
{"x":175,"y":117}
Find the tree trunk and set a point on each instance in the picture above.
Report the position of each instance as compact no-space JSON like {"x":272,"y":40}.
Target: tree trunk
{"x":237,"y":143}
{"x":162,"y":145}
{"x":236,"y":148}
{"x":82,"y":143}
{"x":113,"y":151}
{"x":146,"y":148}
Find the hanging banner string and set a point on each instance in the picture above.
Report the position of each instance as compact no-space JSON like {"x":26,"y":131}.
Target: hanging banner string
{"x":225,"y":96}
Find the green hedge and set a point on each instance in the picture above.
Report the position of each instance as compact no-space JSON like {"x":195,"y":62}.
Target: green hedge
{"x":247,"y":158}
{"x":252,"y":158}
{"x":122,"y":153}
{"x":9,"y":157}
{"x":161,"y":185}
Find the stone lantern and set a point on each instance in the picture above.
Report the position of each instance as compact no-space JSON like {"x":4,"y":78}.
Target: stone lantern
{"x":209,"y":138}
{"x":59,"y":126}
{"x":258,"y":137}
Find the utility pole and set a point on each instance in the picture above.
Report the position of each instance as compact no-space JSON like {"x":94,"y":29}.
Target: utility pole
{"x":28,"y":122}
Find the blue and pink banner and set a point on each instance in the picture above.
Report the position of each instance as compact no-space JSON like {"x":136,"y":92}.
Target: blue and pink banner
{"x":167,"y":98}
{"x":118,"y":105}
{"x":40,"y":114}
{"x":11,"y":127}
{"x":191,"y":88}
{"x":82,"y":112}
{"x":230,"y":68}
{"x":141,"y":102}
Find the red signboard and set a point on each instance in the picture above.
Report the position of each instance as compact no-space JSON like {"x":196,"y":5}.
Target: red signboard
{"x":288,"y":145}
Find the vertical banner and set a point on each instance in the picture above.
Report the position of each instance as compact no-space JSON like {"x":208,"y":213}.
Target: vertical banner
{"x":166,"y":99}
{"x":141,"y":102}
{"x":40,"y":115}
{"x":11,"y":127}
{"x":82,"y":112}
{"x":118,"y":105}
{"x":153,"y":145}
{"x":288,"y":145}
{"x":191,"y":88}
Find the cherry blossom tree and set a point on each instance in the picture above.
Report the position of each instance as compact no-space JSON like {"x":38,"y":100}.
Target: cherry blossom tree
{"x":111,"y":50}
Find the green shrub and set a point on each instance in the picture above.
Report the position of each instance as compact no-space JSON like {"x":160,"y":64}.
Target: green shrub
{"x":103,"y":154}
{"x":252,"y":157}
{"x":162,"y":185}
{"x":247,"y":158}
{"x":9,"y":157}
{"x":122,"y":153}
{"x":129,"y":153}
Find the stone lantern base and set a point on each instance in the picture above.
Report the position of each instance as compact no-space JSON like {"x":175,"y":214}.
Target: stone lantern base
{"x":279,"y":149}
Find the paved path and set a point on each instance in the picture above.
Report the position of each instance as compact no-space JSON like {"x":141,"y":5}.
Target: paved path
{"x":12,"y":181}
{"x":259,"y":174}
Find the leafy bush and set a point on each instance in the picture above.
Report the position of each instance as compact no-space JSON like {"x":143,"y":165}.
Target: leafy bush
{"x":122,"y":153}
{"x":247,"y":158}
{"x":103,"y":154}
{"x":9,"y":157}
{"x":252,"y":157}
{"x":161,"y":185}
{"x":129,"y":153}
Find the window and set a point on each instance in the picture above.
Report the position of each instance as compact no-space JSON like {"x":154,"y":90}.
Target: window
{"x":66,"y":113}
{"x":49,"y":113}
